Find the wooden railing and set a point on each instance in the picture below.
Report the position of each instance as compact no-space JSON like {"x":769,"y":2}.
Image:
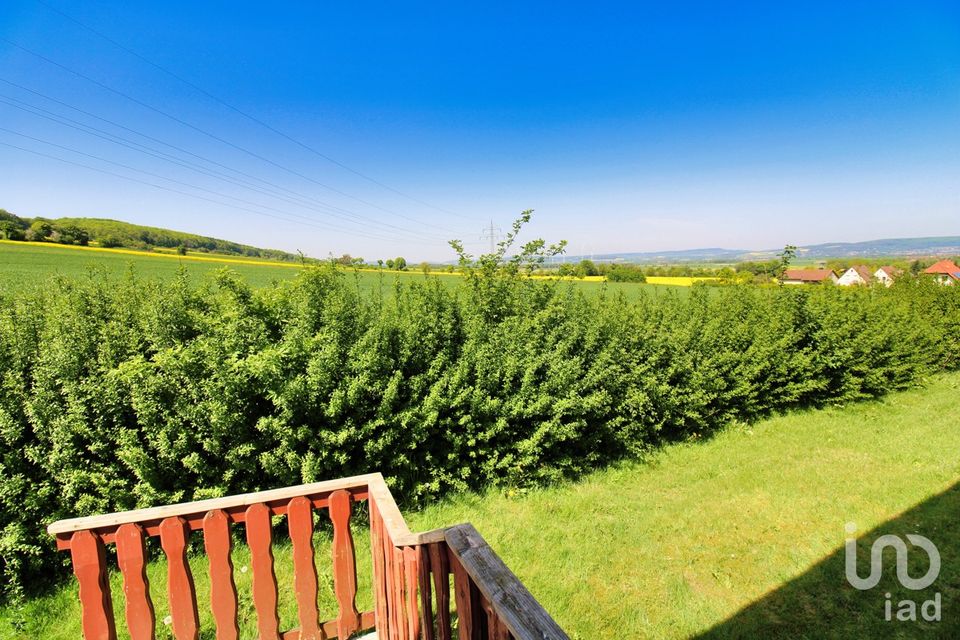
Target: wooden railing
{"x":411,"y":572}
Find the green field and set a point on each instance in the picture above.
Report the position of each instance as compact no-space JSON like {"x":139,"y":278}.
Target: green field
{"x":737,"y":536}
{"x":27,"y":265}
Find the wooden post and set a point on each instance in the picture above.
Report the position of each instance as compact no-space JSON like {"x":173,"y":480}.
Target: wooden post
{"x":90,"y":567}
{"x":379,"y":571}
{"x":132,"y":559}
{"x":426,"y":606}
{"x":180,"y":590}
{"x":300,"y":524}
{"x":260,"y":541}
{"x":412,"y":571}
{"x":344,"y":565}
{"x":440,"y":565}
{"x":223,"y":589}
{"x":465,"y":604}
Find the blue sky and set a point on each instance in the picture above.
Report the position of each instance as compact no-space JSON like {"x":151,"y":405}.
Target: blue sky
{"x":627,"y":127}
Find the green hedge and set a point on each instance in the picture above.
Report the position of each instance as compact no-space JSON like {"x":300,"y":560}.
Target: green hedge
{"x":118,"y":394}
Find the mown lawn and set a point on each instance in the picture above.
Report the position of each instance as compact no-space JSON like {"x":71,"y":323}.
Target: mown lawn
{"x":738,"y":536}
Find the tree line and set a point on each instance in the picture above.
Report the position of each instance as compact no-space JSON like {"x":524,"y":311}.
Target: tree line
{"x":113,"y":233}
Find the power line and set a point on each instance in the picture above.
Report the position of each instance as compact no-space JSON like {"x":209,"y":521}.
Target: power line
{"x":243,"y":113}
{"x":169,"y":145}
{"x":172,"y":159}
{"x":151,"y":174}
{"x":193,"y":195}
{"x":210,"y":135}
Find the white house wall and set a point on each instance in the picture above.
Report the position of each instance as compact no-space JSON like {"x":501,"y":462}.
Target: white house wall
{"x":849,"y":277}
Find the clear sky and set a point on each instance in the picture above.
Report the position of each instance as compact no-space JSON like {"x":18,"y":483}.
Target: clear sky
{"x":626,"y":126}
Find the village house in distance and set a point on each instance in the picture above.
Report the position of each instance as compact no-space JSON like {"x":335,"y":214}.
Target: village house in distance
{"x":863,"y":275}
{"x":945,"y":272}
{"x":809,"y":276}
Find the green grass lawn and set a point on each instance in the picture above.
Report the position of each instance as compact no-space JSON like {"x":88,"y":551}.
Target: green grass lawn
{"x":738,"y":536}
{"x":23,"y":266}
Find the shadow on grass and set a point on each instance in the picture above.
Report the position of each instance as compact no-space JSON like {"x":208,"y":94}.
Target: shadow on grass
{"x":822,"y":604}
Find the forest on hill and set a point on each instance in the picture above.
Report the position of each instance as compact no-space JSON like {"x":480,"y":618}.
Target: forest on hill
{"x":114,"y":233}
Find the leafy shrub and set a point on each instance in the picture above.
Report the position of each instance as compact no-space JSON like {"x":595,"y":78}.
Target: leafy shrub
{"x":119,"y":394}
{"x":625,"y":273}
{"x":10,"y":230}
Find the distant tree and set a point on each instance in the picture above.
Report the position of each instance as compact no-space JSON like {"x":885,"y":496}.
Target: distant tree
{"x":70,"y":234}
{"x":425,"y":267}
{"x":390,"y":263}
{"x":380,"y":263}
{"x":786,"y":257}
{"x":11,"y":231}
{"x":587,"y":268}
{"x":40,"y":230}
{"x":625,"y":273}
{"x":182,"y":249}
{"x":18,"y":222}
{"x":110,"y":241}
{"x":400,"y":264}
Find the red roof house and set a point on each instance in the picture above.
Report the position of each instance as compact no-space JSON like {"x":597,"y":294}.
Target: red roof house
{"x":945,"y":271}
{"x":809,"y":276}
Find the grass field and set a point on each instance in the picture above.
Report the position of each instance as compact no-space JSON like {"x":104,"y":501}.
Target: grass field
{"x":25,"y":264}
{"x":677,"y":281}
{"x":737,"y":536}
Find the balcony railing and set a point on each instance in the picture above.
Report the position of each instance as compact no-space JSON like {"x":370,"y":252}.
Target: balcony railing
{"x":411,"y":571}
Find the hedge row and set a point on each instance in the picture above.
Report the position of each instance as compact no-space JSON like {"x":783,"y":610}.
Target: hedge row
{"x":119,"y":394}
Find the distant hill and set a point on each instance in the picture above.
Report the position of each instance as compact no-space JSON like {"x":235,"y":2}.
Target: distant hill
{"x":886,"y":248}
{"x":114,"y":233}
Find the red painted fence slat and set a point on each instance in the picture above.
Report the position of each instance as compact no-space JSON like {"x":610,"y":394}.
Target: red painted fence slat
{"x":260,"y":541}
{"x":462,"y":594}
{"x":344,"y":565}
{"x":300,"y":524}
{"x":440,"y":566}
{"x":379,"y":568}
{"x":388,"y":583}
{"x":90,"y":567}
{"x":223,"y":589}
{"x":132,"y":559}
{"x":411,"y":568}
{"x":180,"y":590}
{"x":426,"y":604}
{"x":398,"y":582}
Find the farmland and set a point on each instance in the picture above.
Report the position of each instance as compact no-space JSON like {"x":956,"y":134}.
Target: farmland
{"x":23,"y":265}
{"x":736,"y":536}
{"x":26,"y":264}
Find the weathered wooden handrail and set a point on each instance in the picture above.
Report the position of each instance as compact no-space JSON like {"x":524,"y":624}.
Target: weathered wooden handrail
{"x":503,"y":606}
{"x":411,"y":571}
